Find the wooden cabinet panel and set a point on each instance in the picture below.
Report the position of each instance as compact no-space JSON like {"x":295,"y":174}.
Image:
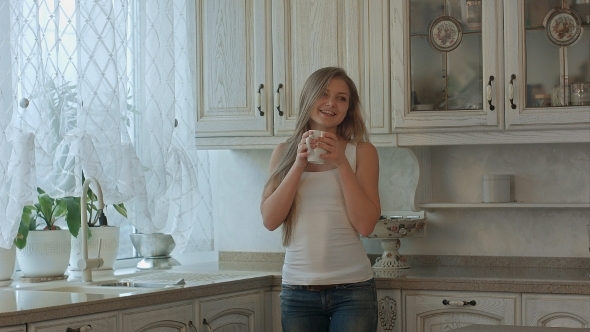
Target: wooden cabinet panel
{"x":232,"y":61}
{"x":105,"y":322}
{"x":162,"y":318}
{"x":236,"y":312}
{"x":445,"y":311}
{"x":17,"y":328}
{"x":554,"y":310}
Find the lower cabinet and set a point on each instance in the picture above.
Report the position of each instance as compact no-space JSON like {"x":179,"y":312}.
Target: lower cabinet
{"x":235,"y":312}
{"x":444,"y":311}
{"x":177,"y":316}
{"x":17,"y":328}
{"x":103,"y":322}
{"x":556,"y":310}
{"x":390,"y":310}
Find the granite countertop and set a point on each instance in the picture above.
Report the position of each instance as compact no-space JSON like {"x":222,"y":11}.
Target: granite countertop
{"x":20,"y":303}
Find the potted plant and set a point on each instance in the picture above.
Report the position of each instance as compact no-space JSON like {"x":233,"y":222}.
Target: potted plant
{"x":64,"y":245}
{"x":46,"y":252}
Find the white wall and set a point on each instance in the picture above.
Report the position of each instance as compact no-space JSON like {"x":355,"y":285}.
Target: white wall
{"x":542,"y":173}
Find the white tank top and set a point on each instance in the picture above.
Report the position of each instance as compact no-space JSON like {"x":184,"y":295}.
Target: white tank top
{"x":325,"y":248}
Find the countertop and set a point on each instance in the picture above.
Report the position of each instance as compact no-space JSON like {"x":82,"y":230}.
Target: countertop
{"x":19,"y":303}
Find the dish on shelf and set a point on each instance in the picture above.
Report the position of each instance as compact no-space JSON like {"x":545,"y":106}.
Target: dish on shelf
{"x":445,"y":33}
{"x":563,"y":26}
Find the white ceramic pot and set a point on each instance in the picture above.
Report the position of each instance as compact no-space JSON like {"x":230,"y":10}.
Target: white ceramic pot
{"x":46,"y":254}
{"x":7,"y":262}
{"x":108,"y":250}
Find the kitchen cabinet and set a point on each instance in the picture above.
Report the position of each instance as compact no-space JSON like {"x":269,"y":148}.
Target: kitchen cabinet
{"x":273,"y":310}
{"x":17,"y":328}
{"x":483,"y":89}
{"x":444,"y":311}
{"x":103,"y":322}
{"x":556,"y":310}
{"x":390,"y":310}
{"x":254,"y":57}
{"x":176,"y":316}
{"x":238,"y":312}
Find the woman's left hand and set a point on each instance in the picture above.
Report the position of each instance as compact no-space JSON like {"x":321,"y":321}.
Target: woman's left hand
{"x":334,"y":150}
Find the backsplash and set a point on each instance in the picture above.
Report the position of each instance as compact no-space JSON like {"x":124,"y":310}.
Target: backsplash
{"x":542,"y":173}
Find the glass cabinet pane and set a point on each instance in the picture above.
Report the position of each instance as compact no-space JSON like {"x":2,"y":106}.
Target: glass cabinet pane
{"x":557,"y":53}
{"x":446,"y":79}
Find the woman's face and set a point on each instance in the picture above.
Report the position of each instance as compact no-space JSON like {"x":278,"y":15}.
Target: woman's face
{"x":331,"y":108}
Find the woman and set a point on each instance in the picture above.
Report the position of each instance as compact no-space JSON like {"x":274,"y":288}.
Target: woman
{"x":327,"y":277}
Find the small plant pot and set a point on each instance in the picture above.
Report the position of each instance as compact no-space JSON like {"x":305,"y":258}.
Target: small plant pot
{"x":7,"y":263}
{"x":46,"y":254}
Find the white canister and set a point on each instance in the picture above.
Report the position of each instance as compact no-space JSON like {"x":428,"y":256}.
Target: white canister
{"x":495,"y":188}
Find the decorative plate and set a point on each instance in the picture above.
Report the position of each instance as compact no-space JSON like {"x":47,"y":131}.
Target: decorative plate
{"x":563,"y":26}
{"x":445,"y":33}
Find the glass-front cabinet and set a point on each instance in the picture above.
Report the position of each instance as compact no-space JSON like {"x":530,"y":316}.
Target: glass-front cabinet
{"x":473,"y":65}
{"x":547,"y":47}
{"x":446,"y":64}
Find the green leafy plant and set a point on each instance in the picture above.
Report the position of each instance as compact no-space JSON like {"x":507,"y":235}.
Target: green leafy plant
{"x":48,"y":210}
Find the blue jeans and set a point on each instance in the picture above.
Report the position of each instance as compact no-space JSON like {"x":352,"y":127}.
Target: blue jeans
{"x":345,"y":308}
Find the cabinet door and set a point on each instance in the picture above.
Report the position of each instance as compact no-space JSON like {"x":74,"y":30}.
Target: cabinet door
{"x":540,"y":74}
{"x":445,"y":311}
{"x":17,"y":328}
{"x":308,"y":35}
{"x":106,"y":322}
{"x":553,"y":310}
{"x":390,"y":310}
{"x":446,"y":64}
{"x":162,"y":318}
{"x":232,"y":64}
{"x":239,"y":312}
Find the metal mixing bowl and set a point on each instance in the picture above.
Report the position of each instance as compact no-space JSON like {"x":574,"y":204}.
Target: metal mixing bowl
{"x":153,"y":245}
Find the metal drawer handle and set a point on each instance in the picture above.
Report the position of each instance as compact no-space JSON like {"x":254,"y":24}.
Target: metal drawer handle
{"x":190,"y":324}
{"x":258,"y":100}
{"x":459,"y":303}
{"x":278,"y":99}
{"x":85,"y":328}
{"x":511,"y":91}
{"x":489,"y":93}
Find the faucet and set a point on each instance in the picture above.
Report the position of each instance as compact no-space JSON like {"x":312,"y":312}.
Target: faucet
{"x":86,"y":264}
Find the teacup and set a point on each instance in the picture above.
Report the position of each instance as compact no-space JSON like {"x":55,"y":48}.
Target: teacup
{"x":314,"y":154}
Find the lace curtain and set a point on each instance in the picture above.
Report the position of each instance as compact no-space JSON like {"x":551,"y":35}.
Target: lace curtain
{"x":103,"y":88}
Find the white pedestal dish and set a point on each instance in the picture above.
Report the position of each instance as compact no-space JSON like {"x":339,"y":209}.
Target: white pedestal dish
{"x":393,"y":226}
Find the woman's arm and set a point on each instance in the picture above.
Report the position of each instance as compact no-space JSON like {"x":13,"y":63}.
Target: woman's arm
{"x":276,"y":204}
{"x":361,"y":190}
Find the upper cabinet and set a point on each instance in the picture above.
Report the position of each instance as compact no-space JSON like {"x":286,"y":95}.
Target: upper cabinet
{"x":447,"y":60}
{"x":472,"y":65}
{"x":308,"y":35}
{"x":253,"y":58}
{"x":234,"y":67}
{"x":547,"y":63}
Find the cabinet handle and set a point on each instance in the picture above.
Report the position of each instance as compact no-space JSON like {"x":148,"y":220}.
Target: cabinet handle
{"x":278,"y":99}
{"x":190,"y":324}
{"x":459,"y":303}
{"x":84,"y":328}
{"x":511,"y":91}
{"x":258,"y":100}
{"x":207,"y":324}
{"x":489,"y":93}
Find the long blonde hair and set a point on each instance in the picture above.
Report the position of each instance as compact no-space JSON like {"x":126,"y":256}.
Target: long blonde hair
{"x":352,"y":128}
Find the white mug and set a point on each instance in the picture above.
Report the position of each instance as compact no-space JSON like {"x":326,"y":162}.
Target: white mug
{"x":314,"y":154}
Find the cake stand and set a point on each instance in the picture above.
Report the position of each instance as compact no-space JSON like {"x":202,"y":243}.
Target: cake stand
{"x":393,"y":226}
